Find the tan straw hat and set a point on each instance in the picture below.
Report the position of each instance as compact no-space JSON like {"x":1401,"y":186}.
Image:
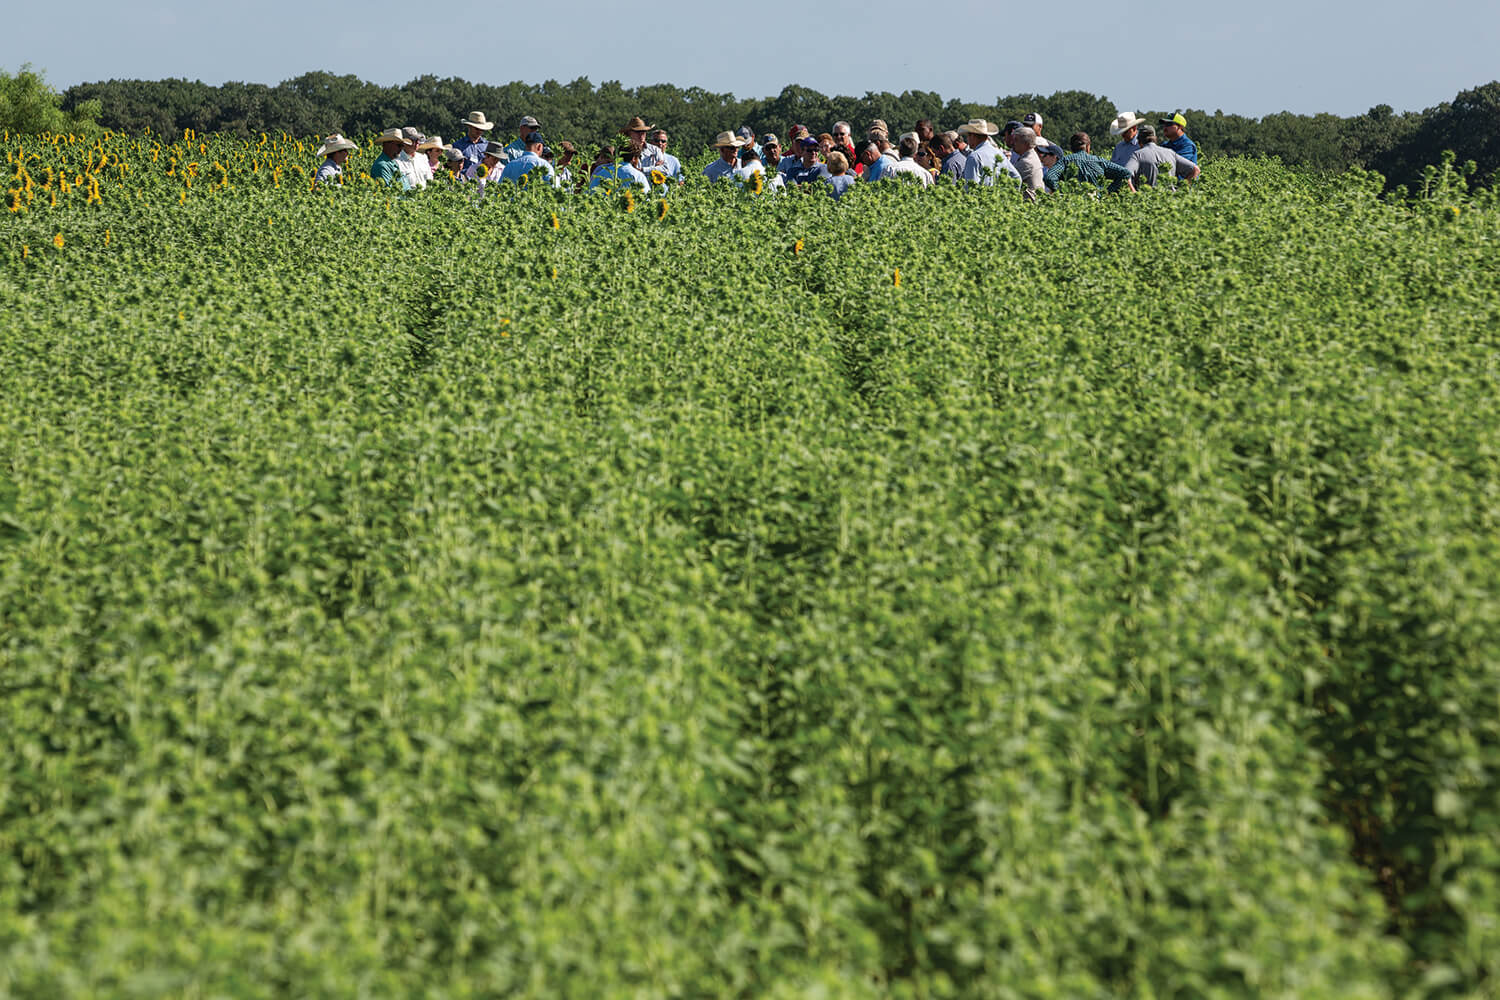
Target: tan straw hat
{"x":333,"y":144}
{"x":390,"y":135}
{"x":728,"y":139}
{"x":476,"y":119}
{"x":977,"y":126}
{"x":1123,"y":121}
{"x":431,"y":142}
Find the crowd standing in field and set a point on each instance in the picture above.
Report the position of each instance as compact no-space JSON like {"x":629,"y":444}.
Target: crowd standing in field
{"x":978,"y":152}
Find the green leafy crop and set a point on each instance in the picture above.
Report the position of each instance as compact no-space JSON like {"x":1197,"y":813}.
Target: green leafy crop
{"x":423,"y":595}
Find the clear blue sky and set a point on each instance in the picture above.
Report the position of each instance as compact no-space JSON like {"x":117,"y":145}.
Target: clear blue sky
{"x":1250,"y":58}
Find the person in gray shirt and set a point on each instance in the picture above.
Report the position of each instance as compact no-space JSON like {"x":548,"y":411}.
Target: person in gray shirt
{"x":1147,"y":161}
{"x":1027,"y":163}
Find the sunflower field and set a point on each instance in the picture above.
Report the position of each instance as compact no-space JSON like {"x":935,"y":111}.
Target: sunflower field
{"x":711,"y":593}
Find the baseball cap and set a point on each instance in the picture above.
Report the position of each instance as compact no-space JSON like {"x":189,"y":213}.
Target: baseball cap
{"x":1032,"y":118}
{"x":1176,"y":119}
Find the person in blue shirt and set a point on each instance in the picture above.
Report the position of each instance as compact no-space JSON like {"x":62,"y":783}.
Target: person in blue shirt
{"x":1174,"y":130}
{"x":529,"y":159}
{"x":839,"y":177}
{"x":985,"y":162}
{"x":669,"y":164}
{"x":517,"y":146}
{"x":809,"y":169}
{"x":626,"y":172}
{"x":336,"y":148}
{"x":473,"y":142}
{"x":728,"y":145}
{"x":885,"y":156}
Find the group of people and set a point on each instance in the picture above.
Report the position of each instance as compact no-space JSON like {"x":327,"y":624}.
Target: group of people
{"x":976,"y":152}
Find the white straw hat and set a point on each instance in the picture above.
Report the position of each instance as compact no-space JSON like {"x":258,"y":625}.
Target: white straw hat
{"x":1123,"y":121}
{"x":977,"y":126}
{"x":333,"y":144}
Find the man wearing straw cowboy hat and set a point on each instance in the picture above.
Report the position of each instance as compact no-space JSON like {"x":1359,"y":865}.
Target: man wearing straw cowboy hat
{"x":652,"y":157}
{"x":336,"y":148}
{"x":472,"y":144}
{"x":385,"y":168}
{"x":1124,"y":127}
{"x":985,"y":160}
{"x":729,"y":146}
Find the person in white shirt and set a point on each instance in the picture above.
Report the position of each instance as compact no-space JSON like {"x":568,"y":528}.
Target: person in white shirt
{"x":407,"y":160}
{"x":906,"y":165}
{"x":491,"y":166}
{"x":432,"y":146}
{"x":750,"y":165}
{"x":635,"y":136}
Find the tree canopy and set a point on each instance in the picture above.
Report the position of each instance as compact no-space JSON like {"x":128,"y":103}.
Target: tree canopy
{"x":27,"y":104}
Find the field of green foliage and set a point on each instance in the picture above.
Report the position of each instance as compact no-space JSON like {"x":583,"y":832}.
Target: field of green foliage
{"x":926,"y":594}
